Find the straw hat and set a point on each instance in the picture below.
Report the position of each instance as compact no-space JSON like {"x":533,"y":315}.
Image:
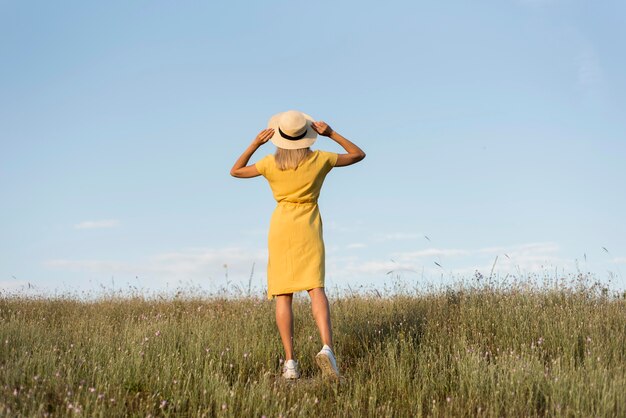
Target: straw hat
{"x":292,"y":130}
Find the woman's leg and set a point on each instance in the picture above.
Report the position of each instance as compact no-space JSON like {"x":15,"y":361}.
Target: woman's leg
{"x":321,"y":313}
{"x":284,"y":321}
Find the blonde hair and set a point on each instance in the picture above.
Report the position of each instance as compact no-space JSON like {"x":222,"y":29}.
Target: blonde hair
{"x":287,"y":159}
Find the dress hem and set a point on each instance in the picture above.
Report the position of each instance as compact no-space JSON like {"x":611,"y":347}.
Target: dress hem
{"x":292,"y":290}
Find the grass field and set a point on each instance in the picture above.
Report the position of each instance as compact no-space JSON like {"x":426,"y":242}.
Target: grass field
{"x":471,"y":349}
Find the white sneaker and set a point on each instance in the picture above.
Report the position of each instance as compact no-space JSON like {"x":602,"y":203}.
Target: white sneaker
{"x":290,"y":370}
{"x":325,"y":359}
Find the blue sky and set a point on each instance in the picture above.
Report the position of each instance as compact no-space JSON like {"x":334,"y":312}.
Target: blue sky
{"x":494,"y":128}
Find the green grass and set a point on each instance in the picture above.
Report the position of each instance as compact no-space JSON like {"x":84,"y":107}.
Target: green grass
{"x":465,"y":350}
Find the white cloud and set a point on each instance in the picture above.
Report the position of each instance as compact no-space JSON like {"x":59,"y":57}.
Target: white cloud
{"x":530,"y":257}
{"x":534,"y":259}
{"x":510,"y":251}
{"x":208,"y":262}
{"x":334,"y":226}
{"x":105,"y":223}
{"x":356,"y":245}
{"x":191,"y":263}
{"x":397,"y":236}
{"x":202,"y":264}
{"x":619,"y":260}
{"x":491,"y":250}
{"x":88,"y":265}
{"x":341,"y":268}
{"x":431,"y":252}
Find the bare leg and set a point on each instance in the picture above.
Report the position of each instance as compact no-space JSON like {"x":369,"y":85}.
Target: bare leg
{"x":284,"y":321}
{"x":321,"y":313}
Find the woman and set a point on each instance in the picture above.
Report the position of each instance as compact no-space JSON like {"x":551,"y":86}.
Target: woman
{"x":296,"y":247}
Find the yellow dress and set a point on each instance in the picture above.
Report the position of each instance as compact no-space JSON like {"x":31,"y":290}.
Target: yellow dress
{"x":295,"y":241}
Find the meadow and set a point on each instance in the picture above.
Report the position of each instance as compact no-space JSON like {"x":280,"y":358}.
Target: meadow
{"x":475,"y":348}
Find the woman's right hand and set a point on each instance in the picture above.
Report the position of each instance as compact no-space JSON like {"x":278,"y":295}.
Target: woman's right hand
{"x":263,"y":137}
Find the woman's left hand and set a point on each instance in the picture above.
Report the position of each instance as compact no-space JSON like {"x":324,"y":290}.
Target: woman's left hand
{"x":322,"y":128}
{"x":263,"y":137}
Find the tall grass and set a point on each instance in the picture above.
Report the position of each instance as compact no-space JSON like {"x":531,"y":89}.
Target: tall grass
{"x":470,"y":349}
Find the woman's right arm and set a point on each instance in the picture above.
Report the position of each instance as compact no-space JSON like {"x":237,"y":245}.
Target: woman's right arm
{"x":354,"y":153}
{"x":240,"y":168}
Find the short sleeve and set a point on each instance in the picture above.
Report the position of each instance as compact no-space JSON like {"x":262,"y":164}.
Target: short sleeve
{"x":263,"y":164}
{"x":329,"y":159}
{"x":332,"y":158}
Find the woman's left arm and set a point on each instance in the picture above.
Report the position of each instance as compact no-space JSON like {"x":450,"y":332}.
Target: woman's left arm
{"x":240,"y":169}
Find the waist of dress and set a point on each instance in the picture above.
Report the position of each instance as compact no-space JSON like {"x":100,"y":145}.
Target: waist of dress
{"x":289,"y":202}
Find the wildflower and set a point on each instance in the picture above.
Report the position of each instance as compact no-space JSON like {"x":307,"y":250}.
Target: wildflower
{"x":15,"y":392}
{"x":163,"y":404}
{"x":112,"y":400}
{"x":448,"y":399}
{"x":92,"y":390}
{"x":540,"y":341}
{"x":245,"y":355}
{"x":280,"y":361}
{"x":146,"y":339}
{"x":223,"y":406}
{"x":100,"y":396}
{"x":316,"y":400}
{"x":36,"y":377}
{"x":157,"y":333}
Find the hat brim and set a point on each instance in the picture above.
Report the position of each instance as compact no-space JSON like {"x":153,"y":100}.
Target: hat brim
{"x":284,"y":143}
